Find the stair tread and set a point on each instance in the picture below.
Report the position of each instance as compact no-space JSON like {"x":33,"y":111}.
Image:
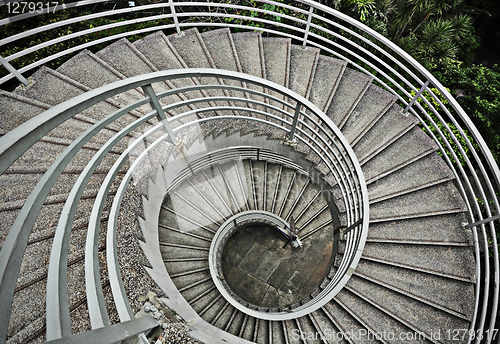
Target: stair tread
{"x":161,"y":53}
{"x":416,"y":314}
{"x":445,"y":260}
{"x":303,"y":63}
{"x":426,"y":171}
{"x":372,"y":317}
{"x":127,"y":60}
{"x":444,"y":292}
{"x":250,"y":50}
{"x":277,"y":62}
{"x":249,"y":47}
{"x":327,"y":327}
{"x":349,"y":92}
{"x":220,"y":46}
{"x":17,"y":187}
{"x":348,"y":324}
{"x":438,"y":198}
{"x":93,"y":72}
{"x":191,"y":48}
{"x":51,"y":87}
{"x":388,"y":128}
{"x":445,"y":228}
{"x":193,"y":51}
{"x":410,"y":147}
{"x":371,"y":107}
{"x":326,"y":80}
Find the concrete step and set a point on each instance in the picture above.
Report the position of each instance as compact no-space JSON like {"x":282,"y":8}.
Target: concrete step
{"x":163,"y":56}
{"x":446,"y":261}
{"x":193,"y":51}
{"x":248,"y":331}
{"x":273,"y":176}
{"x":291,"y":328}
{"x":428,"y":171}
{"x":414,"y":314}
{"x":51,"y":87}
{"x":36,"y":265}
{"x":440,"y":292}
{"x":300,"y":187}
{"x":16,"y":109}
{"x":446,"y":228}
{"x":179,"y":226}
{"x":93,"y":72}
{"x":277,"y":334}
{"x":374,"y":104}
{"x":194,"y":290}
{"x":287,"y":182}
{"x":303,"y":62}
{"x":308,"y":206}
{"x":223,"y":317}
{"x":346,"y":322}
{"x":390,"y":127}
{"x":326,"y":80}
{"x":222,"y":50}
{"x":350,"y":91}
{"x":204,"y":185}
{"x":232,"y":175}
{"x":129,"y":61}
{"x":277,"y":60}
{"x":410,"y":147}
{"x":19,"y":180}
{"x":237,"y":323}
{"x":258,"y":171}
{"x":308,"y":328}
{"x":250,"y":50}
{"x":438,"y":199}
{"x":327,"y":327}
{"x":263,"y":333}
{"x":18,"y":186}
{"x":375,"y":321}
{"x":211,"y":311}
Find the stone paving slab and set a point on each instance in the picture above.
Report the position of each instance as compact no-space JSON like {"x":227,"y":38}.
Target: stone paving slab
{"x":261,"y":270}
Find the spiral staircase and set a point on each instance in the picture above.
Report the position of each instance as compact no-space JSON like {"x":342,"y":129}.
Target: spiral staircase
{"x":407,"y":272}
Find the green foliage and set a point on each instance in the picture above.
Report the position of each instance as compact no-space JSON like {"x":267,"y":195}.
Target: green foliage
{"x":480,"y":87}
{"x":489,"y":237}
{"x":449,"y":130}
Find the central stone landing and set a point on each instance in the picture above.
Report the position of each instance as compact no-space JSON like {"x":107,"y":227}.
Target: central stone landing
{"x":260,"y":271}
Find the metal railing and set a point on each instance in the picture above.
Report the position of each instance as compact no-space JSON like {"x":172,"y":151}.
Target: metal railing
{"x":338,"y":156}
{"x":336,"y":34}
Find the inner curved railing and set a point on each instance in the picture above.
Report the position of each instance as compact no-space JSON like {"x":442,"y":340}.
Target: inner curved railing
{"x":339,"y":158}
{"x":310,"y":23}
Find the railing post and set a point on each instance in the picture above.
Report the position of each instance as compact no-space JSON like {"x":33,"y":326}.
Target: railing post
{"x":419,"y":93}
{"x":309,"y":18}
{"x":482,"y":222}
{"x":160,"y":114}
{"x":14,"y":71}
{"x":294,"y":123}
{"x":174,"y":15}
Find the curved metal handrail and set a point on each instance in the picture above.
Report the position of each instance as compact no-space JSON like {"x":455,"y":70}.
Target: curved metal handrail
{"x":394,"y":69}
{"x":16,"y":142}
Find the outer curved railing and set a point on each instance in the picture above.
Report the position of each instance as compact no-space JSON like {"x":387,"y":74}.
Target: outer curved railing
{"x":338,"y":156}
{"x":310,"y":23}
